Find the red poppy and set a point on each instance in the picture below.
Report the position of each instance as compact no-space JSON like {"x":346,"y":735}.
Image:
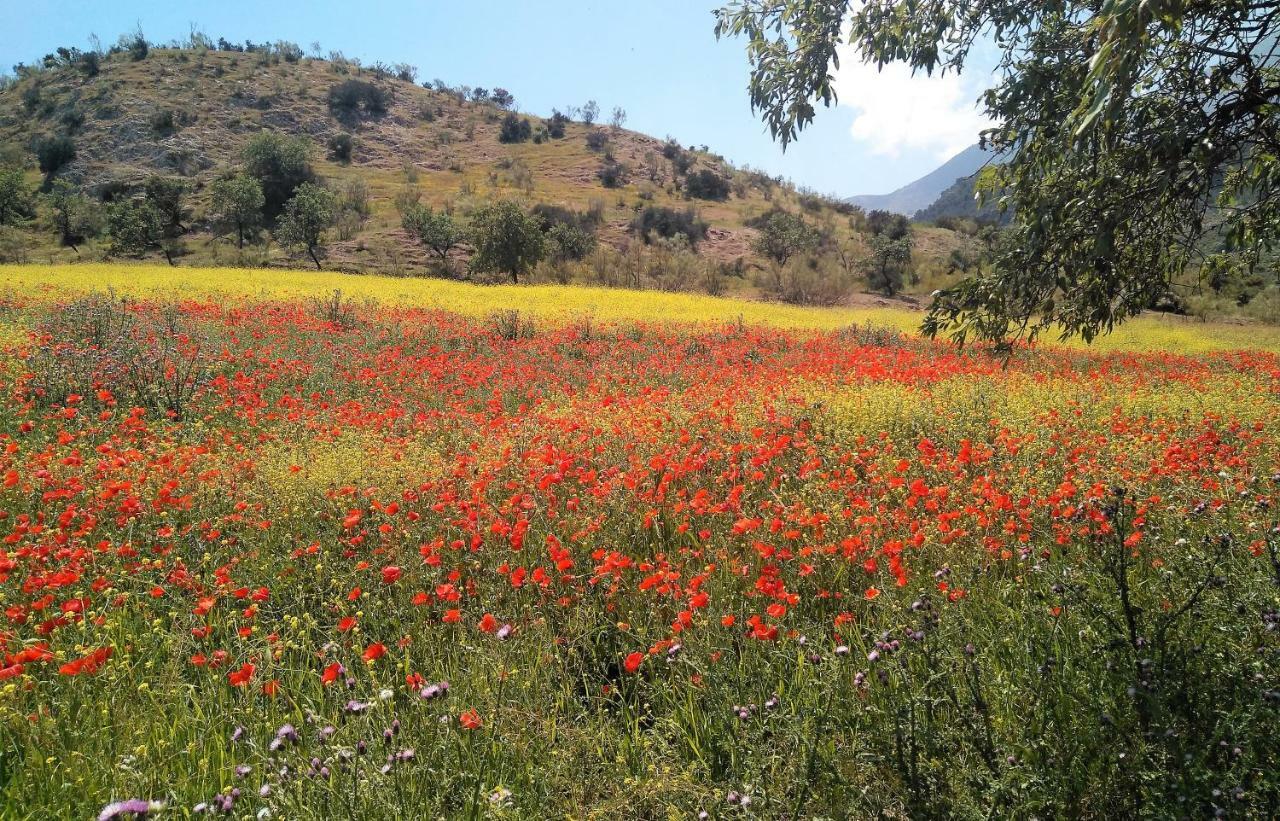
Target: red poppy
{"x":633,"y":662}
{"x":241,"y":677}
{"x":374,"y":652}
{"x":470,"y":720}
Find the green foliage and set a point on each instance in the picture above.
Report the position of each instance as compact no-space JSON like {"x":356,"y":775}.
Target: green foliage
{"x":71,"y":214}
{"x":889,"y":262}
{"x":436,"y":230}
{"x":54,"y":153}
{"x":782,"y":235}
{"x":15,"y":197}
{"x":506,"y":239}
{"x":888,"y":223}
{"x":341,"y":146}
{"x":590,"y":112}
{"x":566,"y":243}
{"x":352,"y":98}
{"x":597,"y":140}
{"x":135,"y":227}
{"x":165,"y":194}
{"x":555,"y":125}
{"x":236,"y":205}
{"x":514,"y":129}
{"x":1130,"y":130}
{"x":307,"y":217}
{"x":668,"y":223}
{"x":611,"y":173}
{"x":280,"y":164}
{"x":705,"y":184}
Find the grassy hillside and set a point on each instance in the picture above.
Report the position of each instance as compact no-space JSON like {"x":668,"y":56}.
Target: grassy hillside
{"x":190,"y":112}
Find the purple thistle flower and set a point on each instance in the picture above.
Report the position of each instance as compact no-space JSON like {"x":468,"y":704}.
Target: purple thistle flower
{"x":133,"y":806}
{"x":504,"y":632}
{"x":355,"y":707}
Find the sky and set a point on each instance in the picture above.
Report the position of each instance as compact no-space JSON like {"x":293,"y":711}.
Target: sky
{"x":657,"y":59}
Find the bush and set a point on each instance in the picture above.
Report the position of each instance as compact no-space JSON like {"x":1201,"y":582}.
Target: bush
{"x":555,"y":125}
{"x":612,"y":174}
{"x":352,"y":98}
{"x":340,"y":147}
{"x":568,"y":243}
{"x":162,"y":121}
{"x":705,"y":184}
{"x":506,"y":239}
{"x":668,"y":223}
{"x":54,"y":153}
{"x":887,"y":223}
{"x":597,"y":139}
{"x":552,"y":215}
{"x":514,"y":129}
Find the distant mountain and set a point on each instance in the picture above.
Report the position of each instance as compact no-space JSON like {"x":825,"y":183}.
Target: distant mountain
{"x":960,"y":200}
{"x":922,"y":193}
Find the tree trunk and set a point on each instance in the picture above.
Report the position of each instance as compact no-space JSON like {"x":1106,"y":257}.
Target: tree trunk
{"x":515,"y":278}
{"x":312,"y":251}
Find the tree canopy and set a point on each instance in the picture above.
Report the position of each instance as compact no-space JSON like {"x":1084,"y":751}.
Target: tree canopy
{"x":506,"y":239}
{"x":1139,"y":137}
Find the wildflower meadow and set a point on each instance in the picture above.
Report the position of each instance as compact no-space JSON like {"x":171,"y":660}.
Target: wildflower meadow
{"x":384,"y":554}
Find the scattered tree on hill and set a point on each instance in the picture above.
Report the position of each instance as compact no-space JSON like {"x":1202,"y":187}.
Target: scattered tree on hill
{"x":54,"y":153}
{"x":1132,"y":132}
{"x":15,"y":197}
{"x":437,"y":230}
{"x":307,"y":217}
{"x":590,"y":112}
{"x":71,"y":214}
{"x":782,"y":235}
{"x":705,"y":184}
{"x":889,"y":262}
{"x":618,"y":117}
{"x":889,"y":223}
{"x":514,"y":129}
{"x":280,"y":164}
{"x":165,"y":195}
{"x":236,"y":206}
{"x":566,"y":243}
{"x":506,"y":239}
{"x":135,"y":227}
{"x":502,"y":98}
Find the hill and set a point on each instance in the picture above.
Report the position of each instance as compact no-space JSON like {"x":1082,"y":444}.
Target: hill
{"x":919,"y":194}
{"x":190,"y":112}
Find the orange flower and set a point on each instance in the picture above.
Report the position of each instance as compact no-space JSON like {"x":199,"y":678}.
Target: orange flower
{"x":470,"y":720}
{"x":871,"y":593}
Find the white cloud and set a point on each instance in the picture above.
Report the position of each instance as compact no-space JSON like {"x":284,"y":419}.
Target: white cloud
{"x":895,"y":110}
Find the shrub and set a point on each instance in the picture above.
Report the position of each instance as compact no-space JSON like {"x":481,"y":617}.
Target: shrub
{"x":612,"y":174}
{"x":54,"y":153}
{"x":552,"y":215}
{"x":668,"y":223}
{"x":597,"y":139}
{"x":352,"y":98}
{"x":555,"y":125}
{"x":436,"y":230}
{"x":162,"y":121}
{"x":887,"y":223}
{"x":590,"y":112}
{"x":514,"y":129}
{"x":340,"y":147}
{"x":705,"y":184}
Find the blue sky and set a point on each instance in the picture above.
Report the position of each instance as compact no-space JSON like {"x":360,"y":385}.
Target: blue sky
{"x":658,"y":59}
